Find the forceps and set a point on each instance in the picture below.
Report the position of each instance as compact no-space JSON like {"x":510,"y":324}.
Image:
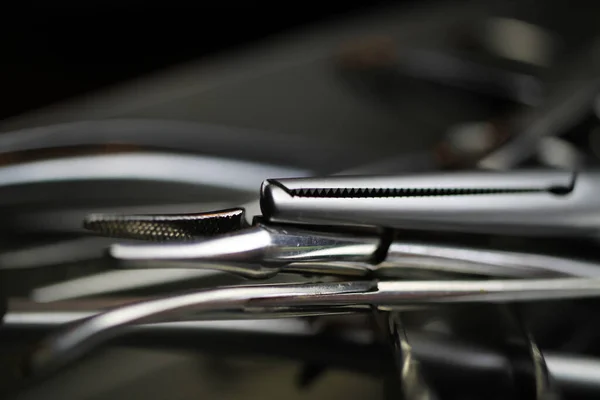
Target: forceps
{"x":369,"y":226}
{"x":298,"y":300}
{"x":351,"y":228}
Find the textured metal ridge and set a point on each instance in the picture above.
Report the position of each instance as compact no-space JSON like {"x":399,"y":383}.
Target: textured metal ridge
{"x":166,"y":227}
{"x":405,"y":192}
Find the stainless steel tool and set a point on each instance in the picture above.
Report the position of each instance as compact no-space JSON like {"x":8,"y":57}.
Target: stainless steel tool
{"x":347,"y":225}
{"x":356,"y":233}
{"x":293,"y":300}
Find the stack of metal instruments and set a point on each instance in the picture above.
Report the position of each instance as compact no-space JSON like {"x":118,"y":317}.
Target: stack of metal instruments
{"x":388,"y":247}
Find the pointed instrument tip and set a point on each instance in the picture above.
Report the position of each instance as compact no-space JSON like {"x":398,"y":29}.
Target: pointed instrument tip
{"x":160,"y":228}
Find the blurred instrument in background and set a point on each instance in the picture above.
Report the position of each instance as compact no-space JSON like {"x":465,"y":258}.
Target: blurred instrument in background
{"x":416,"y":155}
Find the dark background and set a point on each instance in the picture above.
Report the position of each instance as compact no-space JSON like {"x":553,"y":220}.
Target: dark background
{"x":53,"y":52}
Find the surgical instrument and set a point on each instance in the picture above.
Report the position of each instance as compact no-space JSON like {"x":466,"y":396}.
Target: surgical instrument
{"x":343,"y":225}
{"x":347,"y":222}
{"x":412,"y":382}
{"x":448,"y":360}
{"x":530,"y":203}
{"x":301,"y":299}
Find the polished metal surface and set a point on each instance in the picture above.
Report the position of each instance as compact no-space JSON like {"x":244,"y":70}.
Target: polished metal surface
{"x":523,"y":203}
{"x":402,"y":259}
{"x":570,"y":371}
{"x":573,"y":371}
{"x":109,"y":282}
{"x":431,"y":292}
{"x":404,"y":256}
{"x":145,"y":166}
{"x":73,"y":341}
{"x":528,"y":365}
{"x":545,"y":385}
{"x":257,"y":252}
{"x":540,"y":203}
{"x":413,"y":385}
